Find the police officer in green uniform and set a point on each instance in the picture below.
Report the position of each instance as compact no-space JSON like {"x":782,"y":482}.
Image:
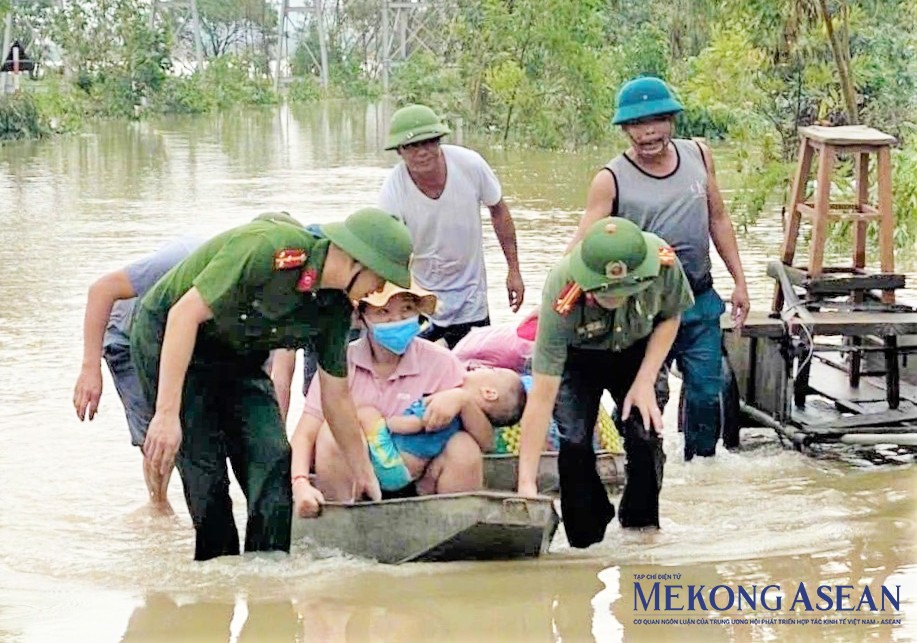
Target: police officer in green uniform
{"x":609,"y":314}
{"x":200,"y":338}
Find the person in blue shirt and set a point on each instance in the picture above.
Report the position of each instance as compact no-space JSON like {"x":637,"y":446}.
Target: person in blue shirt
{"x":106,"y":335}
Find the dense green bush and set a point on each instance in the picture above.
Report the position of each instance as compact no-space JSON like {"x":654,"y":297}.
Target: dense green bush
{"x":61,"y":106}
{"x":424,"y":79}
{"x":304,"y":89}
{"x":19,"y":117}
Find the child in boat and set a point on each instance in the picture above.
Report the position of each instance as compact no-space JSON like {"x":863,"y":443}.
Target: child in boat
{"x":401,"y":446}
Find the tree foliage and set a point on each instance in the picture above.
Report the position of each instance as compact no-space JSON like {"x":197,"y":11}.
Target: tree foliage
{"x":539,"y":72}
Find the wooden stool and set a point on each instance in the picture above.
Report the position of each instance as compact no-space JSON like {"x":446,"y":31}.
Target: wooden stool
{"x":829,"y":142}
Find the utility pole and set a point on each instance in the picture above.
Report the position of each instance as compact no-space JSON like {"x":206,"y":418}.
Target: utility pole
{"x":281,"y":19}
{"x":322,"y":44}
{"x":198,"y":45}
{"x":385,"y":48}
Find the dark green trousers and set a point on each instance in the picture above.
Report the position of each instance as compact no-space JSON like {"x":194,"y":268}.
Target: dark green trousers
{"x":228,"y":411}
{"x":584,"y":502}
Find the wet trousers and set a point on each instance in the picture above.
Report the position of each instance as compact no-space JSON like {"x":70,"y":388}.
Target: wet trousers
{"x":228,"y":411}
{"x":584,"y":502}
{"x":698,"y":350}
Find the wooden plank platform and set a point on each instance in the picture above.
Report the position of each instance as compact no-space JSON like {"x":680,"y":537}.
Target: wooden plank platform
{"x":833,"y":384}
{"x":850,"y":324}
{"x":840,"y":281}
{"x":863,"y":324}
{"x":758,"y":324}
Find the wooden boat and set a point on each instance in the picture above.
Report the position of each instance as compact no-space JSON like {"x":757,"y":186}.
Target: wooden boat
{"x":462,"y":526}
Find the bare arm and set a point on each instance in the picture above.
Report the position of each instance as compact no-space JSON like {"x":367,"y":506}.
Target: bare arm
{"x":535,"y":421}
{"x":404,"y":424}
{"x":307,"y":499}
{"x":505,"y":230}
{"x":445,"y":406}
{"x":185,"y":317}
{"x":164,"y":433}
{"x":103,"y":294}
{"x":601,"y":196}
{"x":477,"y":424}
{"x":302,"y":443}
{"x":724,"y":239}
{"x":283,"y":364}
{"x":341,"y":415}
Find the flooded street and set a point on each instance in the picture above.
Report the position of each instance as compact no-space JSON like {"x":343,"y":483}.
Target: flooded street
{"x":78,"y":562}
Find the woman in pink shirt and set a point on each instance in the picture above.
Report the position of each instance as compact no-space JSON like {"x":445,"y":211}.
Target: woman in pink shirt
{"x":388,"y":369}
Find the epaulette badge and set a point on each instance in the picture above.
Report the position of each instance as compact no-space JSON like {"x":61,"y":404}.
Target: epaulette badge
{"x":289,"y":258}
{"x":567,"y":298}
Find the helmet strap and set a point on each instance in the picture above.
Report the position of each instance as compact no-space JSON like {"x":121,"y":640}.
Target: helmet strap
{"x":353,"y":279}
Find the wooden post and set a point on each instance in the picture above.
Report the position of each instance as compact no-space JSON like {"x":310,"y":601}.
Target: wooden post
{"x":886,"y":218}
{"x":15,"y":69}
{"x":862,"y":188}
{"x":822,"y":203}
{"x":797,"y":196}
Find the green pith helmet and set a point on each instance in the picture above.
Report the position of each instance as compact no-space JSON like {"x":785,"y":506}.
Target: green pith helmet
{"x":413,"y":124}
{"x":643,"y":97}
{"x":616,"y":256}
{"x":377,"y":240}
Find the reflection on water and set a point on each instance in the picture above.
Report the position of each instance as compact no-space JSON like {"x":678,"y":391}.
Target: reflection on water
{"x":80,"y":564}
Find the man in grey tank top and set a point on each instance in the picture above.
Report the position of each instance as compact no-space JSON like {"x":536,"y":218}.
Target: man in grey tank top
{"x":668,"y":187}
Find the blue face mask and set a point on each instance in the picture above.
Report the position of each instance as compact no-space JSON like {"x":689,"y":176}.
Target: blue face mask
{"x":396,"y":336}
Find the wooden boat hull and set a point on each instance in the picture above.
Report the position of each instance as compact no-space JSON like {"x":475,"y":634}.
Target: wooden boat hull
{"x":484,"y":525}
{"x":500,"y":471}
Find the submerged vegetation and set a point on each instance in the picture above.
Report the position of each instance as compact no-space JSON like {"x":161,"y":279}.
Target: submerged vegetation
{"x":523,"y":72}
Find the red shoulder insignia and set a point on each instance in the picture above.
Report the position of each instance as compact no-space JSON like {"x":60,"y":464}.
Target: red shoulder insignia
{"x":289,"y":258}
{"x":567,"y":298}
{"x":666,"y":256}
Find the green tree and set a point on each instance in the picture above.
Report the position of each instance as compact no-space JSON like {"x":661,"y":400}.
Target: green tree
{"x":235,"y":25}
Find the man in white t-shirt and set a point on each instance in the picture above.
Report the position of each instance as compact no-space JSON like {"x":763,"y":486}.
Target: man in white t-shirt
{"x":438,"y":190}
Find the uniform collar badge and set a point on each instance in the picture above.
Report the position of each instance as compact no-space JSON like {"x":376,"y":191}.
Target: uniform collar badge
{"x":289,"y":258}
{"x":306,"y":280}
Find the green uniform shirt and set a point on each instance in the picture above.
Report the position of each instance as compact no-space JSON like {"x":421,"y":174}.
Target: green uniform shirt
{"x":591,"y":326}
{"x":250,"y":284}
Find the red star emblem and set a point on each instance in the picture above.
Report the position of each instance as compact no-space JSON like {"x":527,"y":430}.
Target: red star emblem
{"x":306,"y":280}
